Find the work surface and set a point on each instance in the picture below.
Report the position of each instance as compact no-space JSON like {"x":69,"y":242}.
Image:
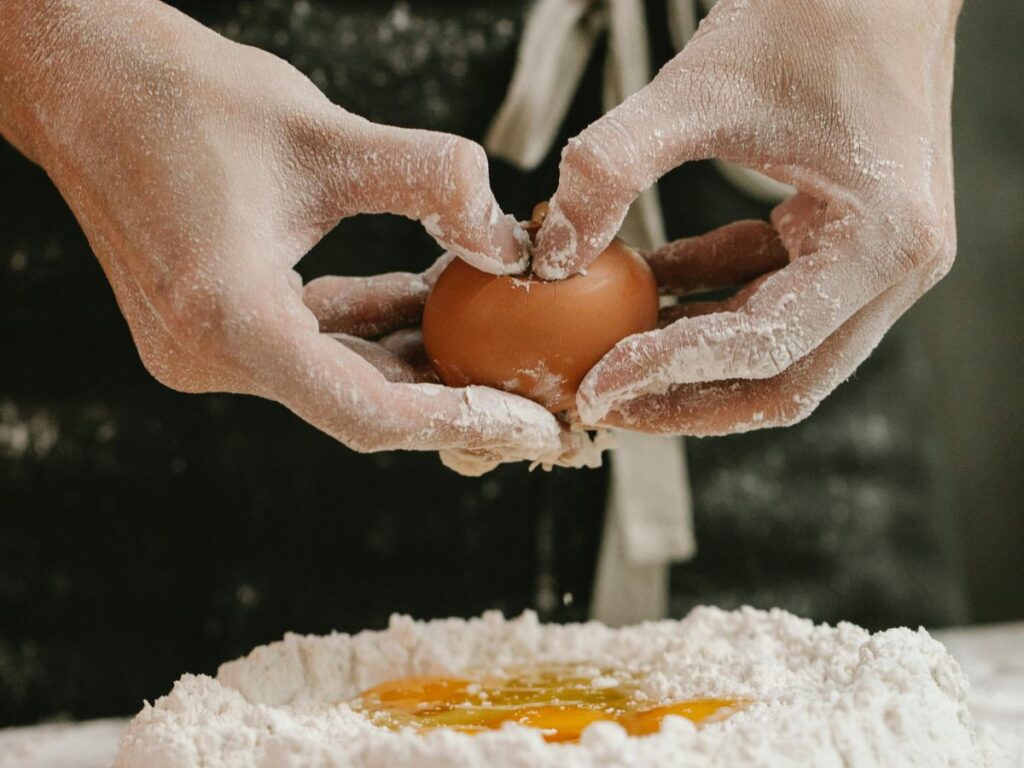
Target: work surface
{"x":992,"y":657}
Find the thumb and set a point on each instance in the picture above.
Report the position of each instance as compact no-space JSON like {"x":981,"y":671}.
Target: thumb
{"x":437,"y":178}
{"x":602,"y":171}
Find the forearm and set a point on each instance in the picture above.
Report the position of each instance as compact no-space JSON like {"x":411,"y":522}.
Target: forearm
{"x":40,"y":49}
{"x":24,"y":28}
{"x":60,"y":61}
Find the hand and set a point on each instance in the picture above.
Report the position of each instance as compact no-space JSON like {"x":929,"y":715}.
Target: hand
{"x":202,"y":171}
{"x":354,"y":308}
{"x":849,"y":101}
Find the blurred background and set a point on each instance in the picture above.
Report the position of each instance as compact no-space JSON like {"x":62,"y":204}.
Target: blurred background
{"x":144,"y":533}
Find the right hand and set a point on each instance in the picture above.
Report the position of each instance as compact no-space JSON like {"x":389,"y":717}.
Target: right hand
{"x":202,"y":171}
{"x":849,"y":102}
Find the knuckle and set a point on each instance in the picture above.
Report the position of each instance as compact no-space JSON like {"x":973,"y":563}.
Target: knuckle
{"x":464,"y":175}
{"x":320,"y":161}
{"x":925,"y":239}
{"x":308,"y":130}
{"x":764,"y":360}
{"x":467,"y":159}
{"x":306,"y":124}
{"x":768,"y":352}
{"x":307,"y":133}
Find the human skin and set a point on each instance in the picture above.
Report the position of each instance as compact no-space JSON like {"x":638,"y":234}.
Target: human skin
{"x":848,"y":101}
{"x":202,"y":171}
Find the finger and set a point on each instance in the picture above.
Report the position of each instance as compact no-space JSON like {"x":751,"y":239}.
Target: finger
{"x":371,"y":414}
{"x":437,"y":178}
{"x":371,"y":306}
{"x":577,"y":450}
{"x":433,"y":417}
{"x":366,"y":306}
{"x":702,"y":104}
{"x":683,"y":114}
{"x":407,"y":345}
{"x":434,"y":271}
{"x":393,"y":367}
{"x":731,"y":255}
{"x":272,"y":338}
{"x":668,"y":315}
{"x":791,"y":312}
{"x":727,"y":407}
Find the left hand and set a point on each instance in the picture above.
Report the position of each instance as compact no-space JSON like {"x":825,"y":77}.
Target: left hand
{"x":847,"y":101}
{"x":202,"y":171}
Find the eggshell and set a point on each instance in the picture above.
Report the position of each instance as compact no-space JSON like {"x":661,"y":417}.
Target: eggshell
{"x":532,"y":337}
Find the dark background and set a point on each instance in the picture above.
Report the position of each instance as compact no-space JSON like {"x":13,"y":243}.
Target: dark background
{"x":144,"y":533}
{"x":972,"y":322}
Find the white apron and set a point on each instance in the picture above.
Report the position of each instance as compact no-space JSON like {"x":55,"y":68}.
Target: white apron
{"x":649,"y":520}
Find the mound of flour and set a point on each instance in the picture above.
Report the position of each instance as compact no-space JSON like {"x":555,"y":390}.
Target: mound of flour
{"x":824,"y":696}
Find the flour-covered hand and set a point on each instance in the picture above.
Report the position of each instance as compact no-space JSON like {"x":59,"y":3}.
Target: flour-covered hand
{"x":202,"y":171}
{"x":847,"y":101}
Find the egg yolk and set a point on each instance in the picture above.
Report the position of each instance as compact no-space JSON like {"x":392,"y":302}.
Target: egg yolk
{"x":559,"y":700}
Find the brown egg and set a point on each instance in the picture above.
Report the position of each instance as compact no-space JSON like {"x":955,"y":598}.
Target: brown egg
{"x":532,"y":337}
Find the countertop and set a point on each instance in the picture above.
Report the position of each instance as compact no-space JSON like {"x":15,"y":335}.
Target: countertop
{"x":992,"y":656}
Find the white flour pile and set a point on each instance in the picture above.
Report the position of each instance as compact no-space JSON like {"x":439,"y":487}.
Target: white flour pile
{"x":823,"y":697}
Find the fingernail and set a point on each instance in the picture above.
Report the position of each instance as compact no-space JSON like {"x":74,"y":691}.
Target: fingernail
{"x":510,"y":244}
{"x":556,"y":250}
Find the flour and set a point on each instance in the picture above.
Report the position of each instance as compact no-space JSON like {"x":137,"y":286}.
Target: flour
{"x":578,"y":448}
{"x":823,"y":697}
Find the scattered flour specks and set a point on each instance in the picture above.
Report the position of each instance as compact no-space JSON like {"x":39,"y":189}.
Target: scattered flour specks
{"x":826,"y":696}
{"x":23,"y":435}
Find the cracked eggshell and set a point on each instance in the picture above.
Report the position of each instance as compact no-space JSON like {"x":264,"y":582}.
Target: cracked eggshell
{"x":531,"y":337}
